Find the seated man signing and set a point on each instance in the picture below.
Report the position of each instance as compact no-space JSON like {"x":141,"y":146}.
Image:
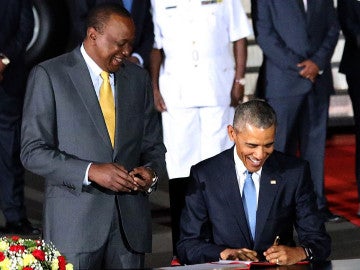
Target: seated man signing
{"x":239,"y":201}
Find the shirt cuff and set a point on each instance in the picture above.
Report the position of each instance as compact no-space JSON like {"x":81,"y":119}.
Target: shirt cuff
{"x":86,"y":181}
{"x":138,"y":56}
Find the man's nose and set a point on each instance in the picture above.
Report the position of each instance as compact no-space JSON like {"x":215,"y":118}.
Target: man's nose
{"x":259,"y":153}
{"x":127,"y":50}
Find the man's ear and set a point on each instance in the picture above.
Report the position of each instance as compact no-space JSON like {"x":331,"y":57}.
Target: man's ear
{"x":231,"y":132}
{"x":91,"y":33}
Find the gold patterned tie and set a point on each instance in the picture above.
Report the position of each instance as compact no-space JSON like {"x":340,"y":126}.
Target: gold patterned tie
{"x":107,"y":105}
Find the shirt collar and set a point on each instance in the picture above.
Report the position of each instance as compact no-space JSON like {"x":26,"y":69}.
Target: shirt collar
{"x":94,"y":69}
{"x":90,"y":63}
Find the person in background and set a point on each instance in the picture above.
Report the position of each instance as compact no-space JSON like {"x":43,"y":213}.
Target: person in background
{"x":349,"y":17}
{"x":91,"y":130}
{"x":298,"y":38}
{"x":140,"y":12}
{"x":198,"y":73}
{"x":17,"y":25}
{"x":244,"y":203}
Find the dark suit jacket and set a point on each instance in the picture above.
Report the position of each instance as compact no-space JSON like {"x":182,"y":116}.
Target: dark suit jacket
{"x":64,"y":129}
{"x":349,"y":17}
{"x":144,"y":28}
{"x":214,"y":219}
{"x":16,"y":28}
{"x":287,"y":37}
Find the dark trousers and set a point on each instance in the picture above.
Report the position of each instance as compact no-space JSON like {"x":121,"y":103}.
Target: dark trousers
{"x":11,"y":169}
{"x":353,"y":81}
{"x":302,"y":126}
{"x":177,"y":190}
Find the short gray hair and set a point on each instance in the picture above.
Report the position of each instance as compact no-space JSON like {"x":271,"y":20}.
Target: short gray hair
{"x":255,"y":112}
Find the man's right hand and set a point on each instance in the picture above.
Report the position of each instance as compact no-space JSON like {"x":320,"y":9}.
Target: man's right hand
{"x":112,"y":176}
{"x":241,"y":254}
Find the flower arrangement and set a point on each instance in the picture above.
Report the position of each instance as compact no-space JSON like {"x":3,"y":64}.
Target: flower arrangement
{"x":28,"y":254}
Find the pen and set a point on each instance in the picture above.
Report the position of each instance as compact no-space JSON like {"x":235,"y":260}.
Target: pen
{"x":276,"y":241}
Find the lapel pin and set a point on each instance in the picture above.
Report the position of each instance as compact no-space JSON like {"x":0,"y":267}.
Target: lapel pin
{"x":273,"y":182}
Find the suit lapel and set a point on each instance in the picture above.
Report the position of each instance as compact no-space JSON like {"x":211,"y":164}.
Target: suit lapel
{"x":136,"y":11}
{"x":81,"y":79}
{"x":121,"y":84}
{"x":296,"y":11}
{"x":231,"y":192}
{"x":124,"y":95}
{"x":269,"y":184}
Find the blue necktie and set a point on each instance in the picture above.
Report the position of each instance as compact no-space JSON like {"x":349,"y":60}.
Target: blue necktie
{"x":249,"y":201}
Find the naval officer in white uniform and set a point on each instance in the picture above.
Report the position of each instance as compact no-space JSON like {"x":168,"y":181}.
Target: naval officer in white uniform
{"x":201,"y":77}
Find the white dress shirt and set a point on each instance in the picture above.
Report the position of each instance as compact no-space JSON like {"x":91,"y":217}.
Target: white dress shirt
{"x":96,"y":79}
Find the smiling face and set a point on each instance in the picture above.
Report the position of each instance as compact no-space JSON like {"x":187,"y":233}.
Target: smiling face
{"x":111,"y":44}
{"x":253,"y":145}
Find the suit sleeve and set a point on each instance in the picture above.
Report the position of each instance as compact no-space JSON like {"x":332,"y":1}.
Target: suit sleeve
{"x":153,"y":149}
{"x":195,"y":244}
{"x":146,"y":36}
{"x":39,"y":151}
{"x":322,"y":57}
{"x":349,"y":21}
{"x":16,"y":46}
{"x":309,"y":226}
{"x":272,"y":45}
{"x":268,"y":24}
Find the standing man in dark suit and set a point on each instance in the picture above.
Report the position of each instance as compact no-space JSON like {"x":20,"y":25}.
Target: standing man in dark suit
{"x":349,"y":16}
{"x":99,"y":170}
{"x":298,"y":38}
{"x":217,"y":221}
{"x":140,"y":12}
{"x":16,"y":28}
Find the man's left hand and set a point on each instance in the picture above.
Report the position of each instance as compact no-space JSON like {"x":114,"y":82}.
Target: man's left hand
{"x":143,"y":177}
{"x":284,"y":255}
{"x":309,"y":70}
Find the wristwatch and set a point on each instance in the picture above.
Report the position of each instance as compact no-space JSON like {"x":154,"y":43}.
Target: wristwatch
{"x":309,"y":253}
{"x":4,"y":59}
{"x":154,"y":180}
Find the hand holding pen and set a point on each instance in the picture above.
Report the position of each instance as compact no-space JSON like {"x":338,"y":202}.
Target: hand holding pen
{"x":282,"y":254}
